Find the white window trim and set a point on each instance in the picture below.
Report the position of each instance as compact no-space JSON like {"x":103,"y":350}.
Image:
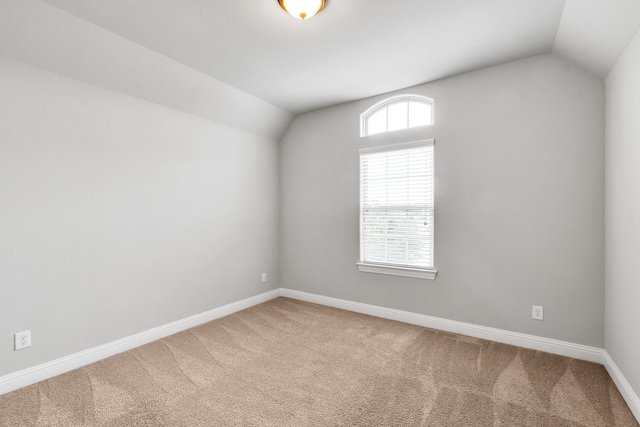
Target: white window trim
{"x":390,"y":101}
{"x":396,"y":270}
{"x":400,"y":146}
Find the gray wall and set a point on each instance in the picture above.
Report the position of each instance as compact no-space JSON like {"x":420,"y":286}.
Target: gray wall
{"x":519,"y":202}
{"x":623,"y":214}
{"x":118,"y":215}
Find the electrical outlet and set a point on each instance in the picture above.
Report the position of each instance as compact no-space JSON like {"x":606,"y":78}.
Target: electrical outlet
{"x":22,"y":340}
{"x":264,"y":277}
{"x":537,"y":312}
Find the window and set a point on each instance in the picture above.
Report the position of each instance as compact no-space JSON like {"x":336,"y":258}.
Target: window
{"x":400,"y":112}
{"x":396,"y":209}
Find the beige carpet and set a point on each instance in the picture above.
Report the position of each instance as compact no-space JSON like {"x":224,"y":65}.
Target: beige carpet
{"x":290,"y":363}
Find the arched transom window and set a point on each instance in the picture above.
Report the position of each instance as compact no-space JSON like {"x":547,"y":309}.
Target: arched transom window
{"x":395,"y":113}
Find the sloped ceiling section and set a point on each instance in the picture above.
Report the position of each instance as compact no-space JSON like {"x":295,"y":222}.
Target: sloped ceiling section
{"x":594,"y":33}
{"x":278,"y":66}
{"x":39,"y":34}
{"x":352,"y":50}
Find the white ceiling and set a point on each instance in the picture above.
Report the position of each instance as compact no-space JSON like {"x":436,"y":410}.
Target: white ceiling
{"x":594,"y":33}
{"x":354,"y":48}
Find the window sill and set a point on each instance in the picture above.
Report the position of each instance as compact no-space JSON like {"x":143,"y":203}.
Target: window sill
{"x":417,"y":273}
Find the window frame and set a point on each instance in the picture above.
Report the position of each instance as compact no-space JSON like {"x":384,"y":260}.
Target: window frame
{"x":386,"y":103}
{"x":391,"y":269}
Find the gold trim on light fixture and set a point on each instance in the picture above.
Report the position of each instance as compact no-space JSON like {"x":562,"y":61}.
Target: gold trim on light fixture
{"x":299,"y":9}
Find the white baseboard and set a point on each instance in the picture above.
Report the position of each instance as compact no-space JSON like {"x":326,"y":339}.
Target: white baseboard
{"x":623,"y":385}
{"x":563,"y":348}
{"x":48,"y":370}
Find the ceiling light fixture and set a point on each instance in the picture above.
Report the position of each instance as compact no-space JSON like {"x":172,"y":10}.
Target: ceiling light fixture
{"x":302,"y":9}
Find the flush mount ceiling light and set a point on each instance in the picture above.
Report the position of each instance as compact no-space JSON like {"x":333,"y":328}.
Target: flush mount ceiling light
{"x":302,"y":9}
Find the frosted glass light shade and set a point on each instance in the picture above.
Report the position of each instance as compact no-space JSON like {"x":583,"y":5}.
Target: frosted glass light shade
{"x":302,"y":9}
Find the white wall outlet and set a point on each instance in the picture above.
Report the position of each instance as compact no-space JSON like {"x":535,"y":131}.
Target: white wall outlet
{"x":537,"y":312}
{"x":22,"y":340}
{"x":264,"y":277}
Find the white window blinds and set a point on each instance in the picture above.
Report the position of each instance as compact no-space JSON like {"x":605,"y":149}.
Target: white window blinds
{"x":396,"y":205}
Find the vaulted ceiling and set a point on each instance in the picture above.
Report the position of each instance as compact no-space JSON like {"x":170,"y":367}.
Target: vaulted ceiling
{"x":360,"y":48}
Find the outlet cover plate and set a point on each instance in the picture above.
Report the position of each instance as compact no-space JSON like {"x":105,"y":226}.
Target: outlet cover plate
{"x":22,"y":340}
{"x":537,"y":312}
